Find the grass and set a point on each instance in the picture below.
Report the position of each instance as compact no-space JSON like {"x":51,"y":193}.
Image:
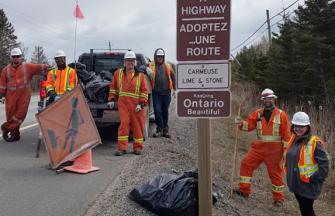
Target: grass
{"x":323,"y":124}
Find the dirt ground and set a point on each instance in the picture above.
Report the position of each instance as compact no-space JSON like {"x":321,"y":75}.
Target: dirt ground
{"x":179,"y":153}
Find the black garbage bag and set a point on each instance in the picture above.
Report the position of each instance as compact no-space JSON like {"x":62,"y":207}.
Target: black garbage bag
{"x":169,"y":194}
{"x":106,"y":75}
{"x":97,"y":90}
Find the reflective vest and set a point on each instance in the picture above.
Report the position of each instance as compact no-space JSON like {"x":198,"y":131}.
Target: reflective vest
{"x":307,"y":165}
{"x":168,"y":70}
{"x":12,"y":80}
{"x":61,"y":81}
{"x":275,"y":135}
{"x":122,"y":93}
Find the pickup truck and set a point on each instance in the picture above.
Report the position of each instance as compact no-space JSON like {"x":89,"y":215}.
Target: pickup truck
{"x":104,"y":64}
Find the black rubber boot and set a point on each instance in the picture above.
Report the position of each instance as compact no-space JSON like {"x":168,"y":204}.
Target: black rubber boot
{"x":166,"y":133}
{"x":158,"y":133}
{"x":5,"y":134}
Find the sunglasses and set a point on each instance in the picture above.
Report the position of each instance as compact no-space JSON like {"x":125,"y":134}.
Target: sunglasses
{"x":16,"y":56}
{"x":160,"y":56}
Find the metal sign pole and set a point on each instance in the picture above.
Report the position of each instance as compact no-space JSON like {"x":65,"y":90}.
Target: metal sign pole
{"x":204,"y":167}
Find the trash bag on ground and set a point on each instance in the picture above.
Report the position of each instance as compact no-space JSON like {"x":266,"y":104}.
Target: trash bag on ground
{"x":169,"y":194}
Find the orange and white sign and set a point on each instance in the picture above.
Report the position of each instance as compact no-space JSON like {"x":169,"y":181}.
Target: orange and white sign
{"x":68,"y":128}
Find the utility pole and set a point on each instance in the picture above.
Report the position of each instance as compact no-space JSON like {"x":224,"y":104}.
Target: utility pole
{"x":269,"y":27}
{"x":110,"y":47}
{"x":38,"y":55}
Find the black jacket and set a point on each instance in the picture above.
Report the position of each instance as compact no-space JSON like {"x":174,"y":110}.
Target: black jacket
{"x":310,"y":190}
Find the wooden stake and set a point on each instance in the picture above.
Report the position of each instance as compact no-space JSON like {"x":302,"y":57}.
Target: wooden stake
{"x":204,"y":167}
{"x":234,"y":154}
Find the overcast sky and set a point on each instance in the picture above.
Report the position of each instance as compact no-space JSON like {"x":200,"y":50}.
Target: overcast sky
{"x":142,"y":25}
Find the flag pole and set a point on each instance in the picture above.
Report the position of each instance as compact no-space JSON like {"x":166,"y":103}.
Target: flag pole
{"x":75,"y":36}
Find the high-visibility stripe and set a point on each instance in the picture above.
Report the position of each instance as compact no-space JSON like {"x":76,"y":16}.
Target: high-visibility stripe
{"x":25,"y":84}
{"x":120,"y":79}
{"x":25,"y":81}
{"x":12,"y":88}
{"x":122,"y":93}
{"x":307,"y":165}
{"x":8,"y":74}
{"x":122,"y":138}
{"x":285,"y":144}
{"x":67,"y":73}
{"x":275,"y":129}
{"x":144,"y":95}
{"x":269,"y":138}
{"x":245,"y":179}
{"x":245,"y":125}
{"x":17,"y":120}
{"x":67,"y":85}
{"x":49,"y":88}
{"x":276,"y":124}
{"x":137,"y":90}
{"x":278,"y":189}
{"x":138,"y":140}
{"x":112,"y":91}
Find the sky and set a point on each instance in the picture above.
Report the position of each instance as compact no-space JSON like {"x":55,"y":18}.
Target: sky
{"x":141,"y":25}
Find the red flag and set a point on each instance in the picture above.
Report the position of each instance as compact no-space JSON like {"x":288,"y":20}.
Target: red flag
{"x":77,"y":13}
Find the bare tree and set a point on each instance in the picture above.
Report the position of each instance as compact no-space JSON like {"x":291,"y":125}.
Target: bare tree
{"x":38,"y":57}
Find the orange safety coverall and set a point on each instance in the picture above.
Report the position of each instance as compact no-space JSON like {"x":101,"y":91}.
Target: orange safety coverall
{"x":130,"y":90}
{"x":272,"y":137}
{"x":15,"y":84}
{"x":61,"y":81}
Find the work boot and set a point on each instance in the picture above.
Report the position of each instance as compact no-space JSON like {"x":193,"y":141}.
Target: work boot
{"x":277,"y":206}
{"x":120,"y":152}
{"x":15,"y":135}
{"x":240,"y":193}
{"x":166,"y":133}
{"x":137,"y":152}
{"x":5,"y":133}
{"x":158,"y":133}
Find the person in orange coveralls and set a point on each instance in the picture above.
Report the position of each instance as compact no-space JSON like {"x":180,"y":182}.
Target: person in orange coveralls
{"x":15,"y":86}
{"x":273,"y":133}
{"x":130,"y":89}
{"x":60,"y":79}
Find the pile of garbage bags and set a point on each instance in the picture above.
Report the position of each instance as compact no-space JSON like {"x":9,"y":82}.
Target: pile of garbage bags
{"x":95,"y":86}
{"x":170,"y":194}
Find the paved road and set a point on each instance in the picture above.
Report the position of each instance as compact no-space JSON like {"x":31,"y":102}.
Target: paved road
{"x":28,"y":187}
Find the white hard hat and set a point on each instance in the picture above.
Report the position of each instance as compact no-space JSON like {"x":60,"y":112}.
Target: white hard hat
{"x":60,"y":53}
{"x":16,"y":52}
{"x":301,"y":119}
{"x":268,"y":93}
{"x":129,"y":55}
{"x":160,"y":52}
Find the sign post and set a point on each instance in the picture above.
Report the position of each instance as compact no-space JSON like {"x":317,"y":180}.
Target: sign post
{"x":203,"y":77}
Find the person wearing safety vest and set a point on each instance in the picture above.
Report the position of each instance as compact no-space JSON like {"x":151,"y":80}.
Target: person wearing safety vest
{"x":306,"y":163}
{"x":15,"y":87}
{"x":162,"y":84}
{"x":129,"y":89}
{"x":273,"y":133}
{"x":60,"y":79}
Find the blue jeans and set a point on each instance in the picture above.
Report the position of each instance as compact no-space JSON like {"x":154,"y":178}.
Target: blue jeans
{"x":161,"y":108}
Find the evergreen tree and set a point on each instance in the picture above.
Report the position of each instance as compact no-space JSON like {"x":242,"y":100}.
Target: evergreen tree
{"x":7,"y":39}
{"x":316,"y":43}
